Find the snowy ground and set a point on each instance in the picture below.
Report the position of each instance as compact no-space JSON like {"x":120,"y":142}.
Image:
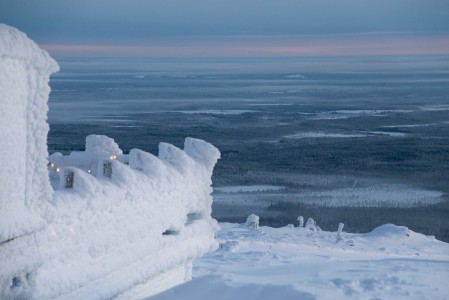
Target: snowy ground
{"x":361,"y":134}
{"x":248,"y":188}
{"x":291,"y":263}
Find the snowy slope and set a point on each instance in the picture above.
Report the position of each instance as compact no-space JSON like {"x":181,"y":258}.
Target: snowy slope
{"x":391,"y":262}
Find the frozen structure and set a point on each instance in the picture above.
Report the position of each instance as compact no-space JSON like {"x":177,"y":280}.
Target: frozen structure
{"x":24,"y":74}
{"x":339,"y":232}
{"x":311,"y":225}
{"x":106,"y":222}
{"x":252,"y":222}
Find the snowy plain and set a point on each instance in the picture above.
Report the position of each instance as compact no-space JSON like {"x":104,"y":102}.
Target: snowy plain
{"x":391,"y":262}
{"x":378,"y":195}
{"x":248,"y":188}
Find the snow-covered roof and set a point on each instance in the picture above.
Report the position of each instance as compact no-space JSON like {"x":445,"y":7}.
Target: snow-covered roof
{"x":16,"y":44}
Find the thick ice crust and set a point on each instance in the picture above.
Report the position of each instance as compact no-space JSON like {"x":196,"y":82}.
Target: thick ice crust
{"x":24,"y":185}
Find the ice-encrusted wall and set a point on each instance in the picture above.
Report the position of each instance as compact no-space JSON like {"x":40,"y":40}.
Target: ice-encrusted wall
{"x":109,"y":222}
{"x":24,"y":184}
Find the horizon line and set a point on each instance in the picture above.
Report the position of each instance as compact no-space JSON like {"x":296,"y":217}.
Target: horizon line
{"x":268,"y":46}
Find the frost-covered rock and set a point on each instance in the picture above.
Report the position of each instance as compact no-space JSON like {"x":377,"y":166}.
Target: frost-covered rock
{"x":111,"y":221}
{"x":252,"y":222}
{"x":24,"y":186}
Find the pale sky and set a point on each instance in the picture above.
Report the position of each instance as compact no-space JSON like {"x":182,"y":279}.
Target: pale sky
{"x":233,"y":27}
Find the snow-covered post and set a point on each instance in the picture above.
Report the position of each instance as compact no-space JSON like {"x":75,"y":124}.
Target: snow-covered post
{"x":252,"y":222}
{"x":24,"y":184}
{"x":301,"y":221}
{"x":340,"y":228}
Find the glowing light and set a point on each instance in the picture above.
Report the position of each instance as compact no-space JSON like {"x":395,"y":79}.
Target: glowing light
{"x":88,"y":171}
{"x":52,"y":165}
{"x":112,"y":157}
{"x":57,"y":170}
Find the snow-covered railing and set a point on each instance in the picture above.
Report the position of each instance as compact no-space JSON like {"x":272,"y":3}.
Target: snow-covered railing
{"x":134,"y":216}
{"x":112,"y":221}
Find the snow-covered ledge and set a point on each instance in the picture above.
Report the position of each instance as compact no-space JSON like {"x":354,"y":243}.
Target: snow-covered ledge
{"x":108,"y":222}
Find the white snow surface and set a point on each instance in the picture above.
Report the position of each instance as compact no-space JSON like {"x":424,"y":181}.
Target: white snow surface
{"x":319,"y":134}
{"x":361,"y":134}
{"x":378,"y":194}
{"x":385,"y":195}
{"x":391,"y":262}
{"x":24,"y":89}
{"x":248,"y":188}
{"x":218,"y":112}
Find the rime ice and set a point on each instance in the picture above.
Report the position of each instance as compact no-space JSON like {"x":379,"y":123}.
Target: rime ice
{"x":252,"y":222}
{"x":109,"y":221}
{"x":24,"y":185}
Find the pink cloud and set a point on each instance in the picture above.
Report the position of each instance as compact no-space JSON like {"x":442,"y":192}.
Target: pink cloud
{"x":268,"y":46}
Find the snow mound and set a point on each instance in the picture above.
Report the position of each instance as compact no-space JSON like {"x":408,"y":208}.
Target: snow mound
{"x":390,"y":230}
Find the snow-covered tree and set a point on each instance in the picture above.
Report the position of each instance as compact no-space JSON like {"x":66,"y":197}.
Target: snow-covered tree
{"x":311,"y":224}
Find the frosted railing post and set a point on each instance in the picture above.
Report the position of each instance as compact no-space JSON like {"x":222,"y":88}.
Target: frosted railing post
{"x":252,"y":222}
{"x":69,"y":176}
{"x":107,"y":168}
{"x":24,"y":184}
{"x":340,"y":228}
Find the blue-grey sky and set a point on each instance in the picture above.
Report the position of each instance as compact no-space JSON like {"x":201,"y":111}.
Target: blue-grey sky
{"x":161,"y":23}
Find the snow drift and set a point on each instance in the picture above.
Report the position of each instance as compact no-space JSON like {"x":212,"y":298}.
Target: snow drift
{"x":107,"y":221}
{"x":391,"y":262}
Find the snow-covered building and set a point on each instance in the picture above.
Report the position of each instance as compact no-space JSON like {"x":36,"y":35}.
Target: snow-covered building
{"x":106,"y":222}
{"x":24,"y":75}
